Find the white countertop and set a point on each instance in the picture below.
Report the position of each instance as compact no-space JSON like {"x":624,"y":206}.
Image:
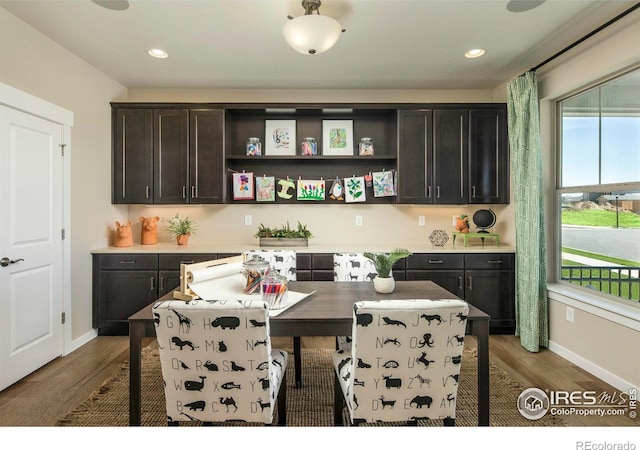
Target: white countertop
{"x":340,"y":247}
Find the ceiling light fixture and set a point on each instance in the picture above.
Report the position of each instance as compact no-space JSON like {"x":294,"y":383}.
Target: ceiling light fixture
{"x":158,"y":53}
{"x":115,"y":5}
{"x":312,"y":34}
{"x":475,"y":53}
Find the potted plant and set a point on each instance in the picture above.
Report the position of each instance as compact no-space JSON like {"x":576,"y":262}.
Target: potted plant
{"x":383,"y":262}
{"x":285,"y":236}
{"x":181,"y":228}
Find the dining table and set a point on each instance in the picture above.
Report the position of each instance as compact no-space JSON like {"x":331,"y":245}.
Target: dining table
{"x":327,"y":311}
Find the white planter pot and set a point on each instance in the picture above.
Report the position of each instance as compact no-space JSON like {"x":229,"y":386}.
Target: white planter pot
{"x":384,"y":285}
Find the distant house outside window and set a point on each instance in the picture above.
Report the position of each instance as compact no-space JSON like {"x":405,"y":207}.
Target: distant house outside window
{"x":598,"y":189}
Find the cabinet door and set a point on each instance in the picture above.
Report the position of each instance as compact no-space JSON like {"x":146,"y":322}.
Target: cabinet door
{"x":205,"y":155}
{"x":415,"y":156}
{"x":132,"y":156}
{"x":451,"y":280}
{"x":122,"y":293}
{"x":170,"y":156}
{"x":488,"y":156}
{"x":450,"y":156}
{"x":168,"y":281}
{"x":493,"y":291}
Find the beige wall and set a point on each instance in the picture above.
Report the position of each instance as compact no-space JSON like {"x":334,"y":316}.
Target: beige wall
{"x":35,"y":64}
{"x":596,"y":338}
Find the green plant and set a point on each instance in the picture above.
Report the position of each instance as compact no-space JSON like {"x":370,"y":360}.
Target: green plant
{"x":384,"y":261}
{"x":178,"y":226}
{"x":285,"y":231}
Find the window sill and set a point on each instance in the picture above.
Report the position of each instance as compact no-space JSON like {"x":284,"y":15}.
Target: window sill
{"x":618,"y":312}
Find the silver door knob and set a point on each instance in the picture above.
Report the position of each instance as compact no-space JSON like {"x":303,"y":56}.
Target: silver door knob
{"x":4,"y":262}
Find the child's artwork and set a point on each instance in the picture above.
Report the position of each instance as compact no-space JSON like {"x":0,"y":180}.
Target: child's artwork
{"x":285,"y":187}
{"x":383,"y":184}
{"x":243,"y":186}
{"x":266,"y":189}
{"x":337,"y":190}
{"x":311,"y":190}
{"x":354,"y":190}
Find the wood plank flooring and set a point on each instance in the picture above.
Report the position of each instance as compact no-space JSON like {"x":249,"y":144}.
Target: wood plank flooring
{"x":51,"y":392}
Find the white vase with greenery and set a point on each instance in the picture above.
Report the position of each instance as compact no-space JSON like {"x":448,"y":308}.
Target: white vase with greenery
{"x":384,"y":282}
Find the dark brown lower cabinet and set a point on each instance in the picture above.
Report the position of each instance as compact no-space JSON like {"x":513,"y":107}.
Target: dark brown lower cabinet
{"x":125,"y":283}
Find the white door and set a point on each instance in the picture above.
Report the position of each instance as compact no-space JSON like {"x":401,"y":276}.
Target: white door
{"x":31,"y":246}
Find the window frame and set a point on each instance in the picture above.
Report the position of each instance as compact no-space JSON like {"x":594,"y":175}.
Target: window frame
{"x":601,"y":303}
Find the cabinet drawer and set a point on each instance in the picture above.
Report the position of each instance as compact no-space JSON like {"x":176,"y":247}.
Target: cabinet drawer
{"x":435,"y":261}
{"x":172,"y":261}
{"x":129,"y":261}
{"x":489,"y":261}
{"x":322,"y":261}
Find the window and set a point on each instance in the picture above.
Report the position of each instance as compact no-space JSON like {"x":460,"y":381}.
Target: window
{"x":598,"y":187}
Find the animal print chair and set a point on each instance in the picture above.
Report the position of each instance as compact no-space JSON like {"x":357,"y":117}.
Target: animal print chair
{"x":351,"y":267}
{"x":217,"y":361}
{"x":285,"y":263}
{"x":404,"y":362}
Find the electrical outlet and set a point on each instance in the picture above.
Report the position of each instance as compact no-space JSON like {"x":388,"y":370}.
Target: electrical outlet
{"x":569,"y":314}
{"x":421,"y":221}
{"x":248,"y":220}
{"x":358,"y":221}
{"x":453,"y":222}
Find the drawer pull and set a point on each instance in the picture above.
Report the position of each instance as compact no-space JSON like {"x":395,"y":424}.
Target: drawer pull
{"x":161,"y":283}
{"x":128,"y":262}
{"x":152,"y":281}
{"x":187,"y":262}
{"x":436,"y":261}
{"x":494,"y":261}
{"x":460,"y":284}
{"x":470,"y":283}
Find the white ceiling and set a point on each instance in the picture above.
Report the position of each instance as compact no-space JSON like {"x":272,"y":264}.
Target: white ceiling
{"x":388,"y":44}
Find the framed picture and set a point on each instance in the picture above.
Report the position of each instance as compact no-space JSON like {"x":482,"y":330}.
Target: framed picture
{"x":337,"y":137}
{"x":280,"y":137}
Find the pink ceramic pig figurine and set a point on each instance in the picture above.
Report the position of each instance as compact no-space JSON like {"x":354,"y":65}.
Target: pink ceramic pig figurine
{"x":123,"y":235}
{"x":149,"y":230}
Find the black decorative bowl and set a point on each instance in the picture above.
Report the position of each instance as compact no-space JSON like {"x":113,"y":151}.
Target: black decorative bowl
{"x":484,"y":219}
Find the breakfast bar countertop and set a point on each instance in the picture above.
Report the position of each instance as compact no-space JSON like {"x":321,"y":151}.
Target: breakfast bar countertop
{"x":338,"y":247}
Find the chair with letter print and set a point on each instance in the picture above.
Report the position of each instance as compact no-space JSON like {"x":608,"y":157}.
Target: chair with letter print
{"x":351,"y":267}
{"x":284,"y":262}
{"x":217,"y":362}
{"x":404,"y":361}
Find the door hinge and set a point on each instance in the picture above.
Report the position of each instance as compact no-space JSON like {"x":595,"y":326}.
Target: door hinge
{"x":62,"y":146}
{"x":64,"y":318}
{"x":63,"y":234}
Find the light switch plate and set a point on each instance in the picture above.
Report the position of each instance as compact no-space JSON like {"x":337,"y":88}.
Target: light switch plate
{"x":421,"y":221}
{"x":453,"y":222}
{"x":358,"y":221}
{"x":569,"y":314}
{"x":248,"y":220}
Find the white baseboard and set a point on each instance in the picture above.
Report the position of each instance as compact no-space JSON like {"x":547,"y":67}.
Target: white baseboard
{"x":593,"y":369}
{"x":77,"y":343}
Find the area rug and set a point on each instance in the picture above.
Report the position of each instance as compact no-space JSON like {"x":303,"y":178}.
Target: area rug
{"x":309,"y":406}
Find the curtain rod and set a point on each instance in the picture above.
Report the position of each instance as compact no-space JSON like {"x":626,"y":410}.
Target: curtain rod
{"x":597,"y":30}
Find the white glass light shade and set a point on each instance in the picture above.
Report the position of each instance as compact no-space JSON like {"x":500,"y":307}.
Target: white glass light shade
{"x":312,"y":34}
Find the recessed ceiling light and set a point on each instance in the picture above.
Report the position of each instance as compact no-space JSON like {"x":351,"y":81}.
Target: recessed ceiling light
{"x":518,"y":6}
{"x":158,"y":53}
{"x":115,"y":5}
{"x":475,"y":53}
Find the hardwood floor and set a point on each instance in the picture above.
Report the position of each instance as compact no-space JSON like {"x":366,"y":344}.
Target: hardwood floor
{"x":51,"y":392}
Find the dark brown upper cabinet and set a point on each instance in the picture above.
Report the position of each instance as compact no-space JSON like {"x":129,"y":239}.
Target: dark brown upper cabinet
{"x":488,"y":156}
{"x":167,"y":155}
{"x":456,"y":155}
{"x":432,"y":156}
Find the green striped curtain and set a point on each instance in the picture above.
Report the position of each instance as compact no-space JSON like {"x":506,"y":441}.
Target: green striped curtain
{"x":532,"y":324}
